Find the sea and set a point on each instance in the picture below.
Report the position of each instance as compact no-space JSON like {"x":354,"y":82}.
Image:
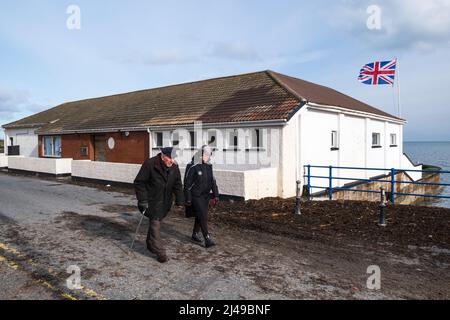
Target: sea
{"x":436,"y":154}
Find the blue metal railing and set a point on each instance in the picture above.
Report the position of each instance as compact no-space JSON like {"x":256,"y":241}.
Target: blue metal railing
{"x":392,"y":181}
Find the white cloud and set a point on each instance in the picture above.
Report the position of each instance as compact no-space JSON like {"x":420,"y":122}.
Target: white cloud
{"x":14,"y":103}
{"x":237,"y":50}
{"x":300,"y":57}
{"x":405,"y":24}
{"x":169,"y":56}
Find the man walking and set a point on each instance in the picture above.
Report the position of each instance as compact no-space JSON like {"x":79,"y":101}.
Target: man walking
{"x":157,"y":181}
{"x":199,"y":181}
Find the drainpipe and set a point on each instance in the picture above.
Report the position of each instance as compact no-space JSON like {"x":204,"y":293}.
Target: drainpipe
{"x":149,"y":142}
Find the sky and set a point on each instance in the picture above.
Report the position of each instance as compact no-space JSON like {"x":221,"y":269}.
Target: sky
{"x":124,"y":46}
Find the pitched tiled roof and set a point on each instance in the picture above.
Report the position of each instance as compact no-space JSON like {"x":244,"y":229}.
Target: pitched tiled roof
{"x":256,"y":96}
{"x":326,"y":96}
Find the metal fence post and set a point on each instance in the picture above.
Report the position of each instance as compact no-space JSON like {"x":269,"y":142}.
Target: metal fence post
{"x":393,"y":186}
{"x":382,"y":219}
{"x":309,"y":182}
{"x":298,"y":199}
{"x":330,"y":188}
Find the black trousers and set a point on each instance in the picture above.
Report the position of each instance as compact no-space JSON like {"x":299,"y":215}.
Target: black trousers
{"x":154,"y":241}
{"x":200,"y":207}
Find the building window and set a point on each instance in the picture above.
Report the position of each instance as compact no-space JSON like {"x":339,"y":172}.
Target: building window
{"x":158,"y":139}
{"x":192,"y":139}
{"x":84,"y":151}
{"x":393,"y":140}
{"x":376,"y":140}
{"x":334,"y":140}
{"x":175,"y":139}
{"x":11,"y":140}
{"x":212,"y":138}
{"x":52,"y":146}
{"x":256,"y":139}
{"x":233,"y":140}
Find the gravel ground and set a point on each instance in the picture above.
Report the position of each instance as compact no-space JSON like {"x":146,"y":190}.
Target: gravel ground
{"x":47,"y":225}
{"x":18,"y":284}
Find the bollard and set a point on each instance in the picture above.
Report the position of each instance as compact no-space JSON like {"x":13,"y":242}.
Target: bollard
{"x":297,"y":199}
{"x":382,"y":218}
{"x":309,"y":183}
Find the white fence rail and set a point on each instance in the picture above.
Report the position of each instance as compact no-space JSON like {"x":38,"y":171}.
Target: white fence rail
{"x":55,"y":166}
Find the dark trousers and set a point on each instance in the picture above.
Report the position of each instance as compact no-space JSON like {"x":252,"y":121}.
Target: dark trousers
{"x":201,"y":223}
{"x":200,"y":207}
{"x":154,"y":241}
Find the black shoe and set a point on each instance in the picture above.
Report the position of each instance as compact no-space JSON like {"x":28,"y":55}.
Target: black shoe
{"x":162,"y":258}
{"x":209,"y":242}
{"x":196,"y":238}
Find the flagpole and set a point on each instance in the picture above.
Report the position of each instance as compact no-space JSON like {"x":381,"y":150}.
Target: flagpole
{"x":398,"y":90}
{"x":394,"y":100}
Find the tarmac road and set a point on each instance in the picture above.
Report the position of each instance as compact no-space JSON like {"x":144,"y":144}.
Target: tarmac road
{"x":48,"y":225}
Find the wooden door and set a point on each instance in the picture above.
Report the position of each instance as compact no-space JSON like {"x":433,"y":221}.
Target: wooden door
{"x":99,"y":148}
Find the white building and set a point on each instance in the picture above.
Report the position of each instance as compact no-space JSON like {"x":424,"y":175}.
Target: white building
{"x":26,"y":138}
{"x":265,"y":128}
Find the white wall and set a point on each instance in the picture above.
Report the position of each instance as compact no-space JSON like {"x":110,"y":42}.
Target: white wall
{"x":408,"y":165}
{"x":316,"y":143}
{"x":3,"y":160}
{"x":253,"y":184}
{"x":355,"y":145}
{"x":2,"y":137}
{"x":289,"y":159}
{"x":25,"y":138}
{"x":261,"y":183}
{"x":117,"y":172}
{"x":352,"y":147}
{"x":394,"y":154}
{"x":248,"y":184}
{"x":376,"y":158}
{"x":54,"y":166}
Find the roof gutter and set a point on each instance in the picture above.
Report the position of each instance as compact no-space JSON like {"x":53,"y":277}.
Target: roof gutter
{"x":25,"y":126}
{"x":101,"y":130}
{"x":260,"y":123}
{"x":322,"y":107}
{"x":241,"y":124}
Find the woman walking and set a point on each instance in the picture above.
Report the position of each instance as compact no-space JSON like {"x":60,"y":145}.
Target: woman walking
{"x":199,"y":181}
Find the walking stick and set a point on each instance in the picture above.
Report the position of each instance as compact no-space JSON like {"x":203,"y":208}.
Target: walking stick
{"x":137,"y":230}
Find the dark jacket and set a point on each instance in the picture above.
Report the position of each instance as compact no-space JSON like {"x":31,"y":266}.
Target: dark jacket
{"x":156,"y":185}
{"x":199,"y":181}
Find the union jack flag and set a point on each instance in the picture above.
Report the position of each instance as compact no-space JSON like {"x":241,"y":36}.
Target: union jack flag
{"x":378,"y":73}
